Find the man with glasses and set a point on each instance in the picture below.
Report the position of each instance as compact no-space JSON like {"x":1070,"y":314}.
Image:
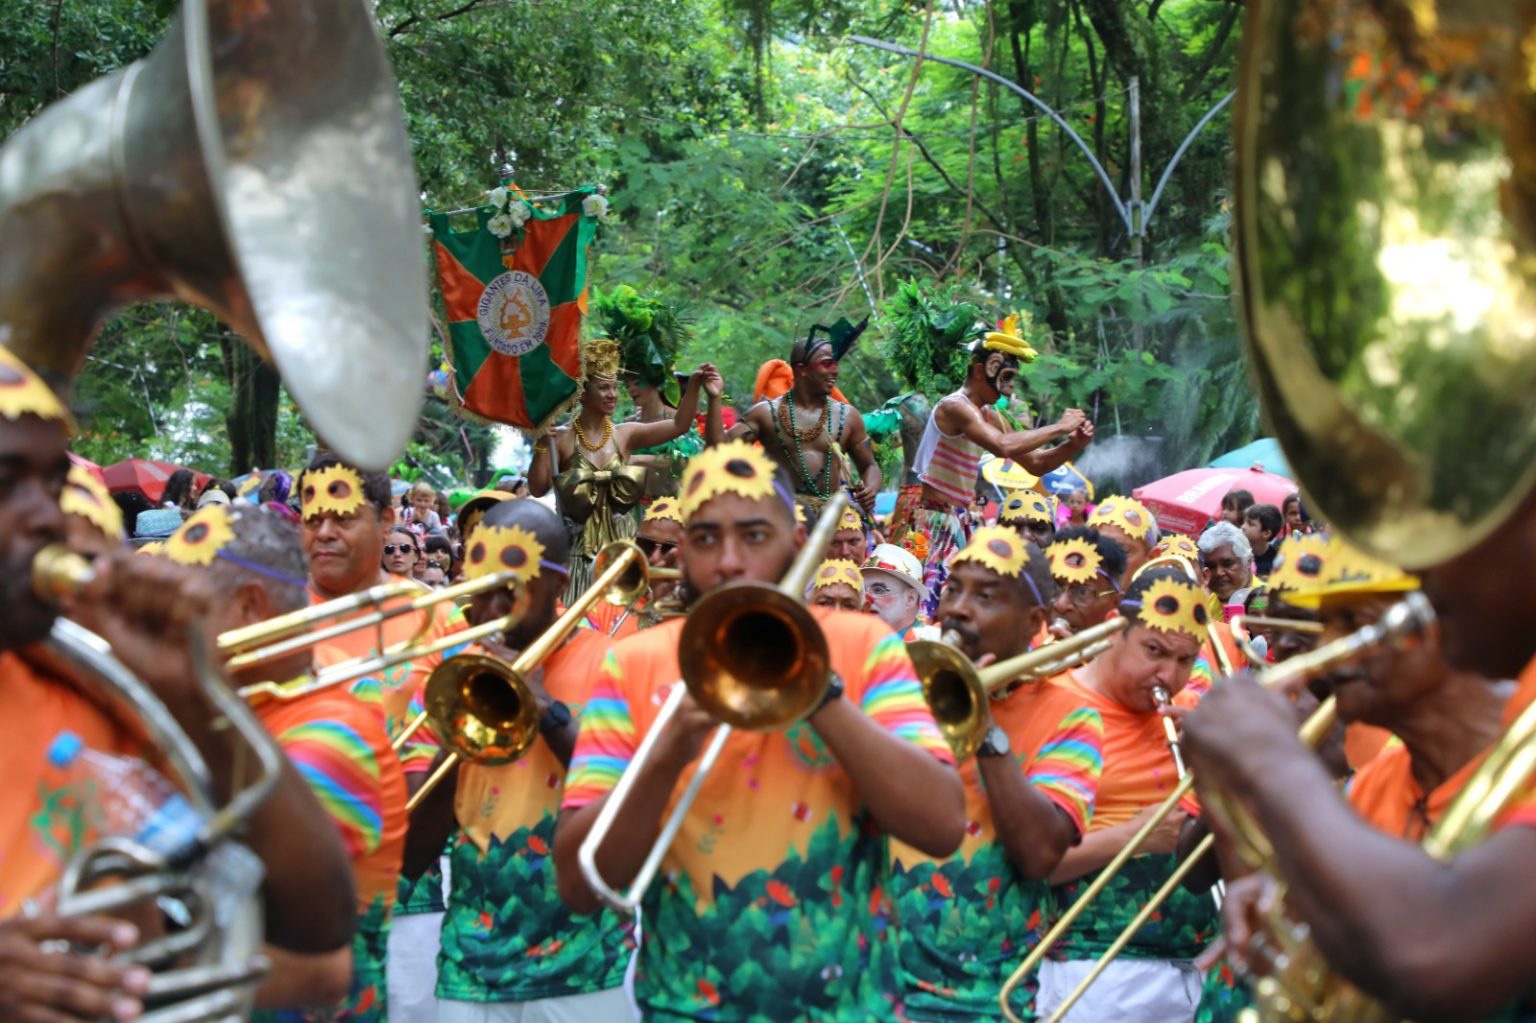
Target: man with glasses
{"x":1085,"y":565}
{"x":1031,"y":514}
{"x":658,"y":537}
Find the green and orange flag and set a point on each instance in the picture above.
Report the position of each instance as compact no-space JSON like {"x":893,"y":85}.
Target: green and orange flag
{"x":514,"y":307}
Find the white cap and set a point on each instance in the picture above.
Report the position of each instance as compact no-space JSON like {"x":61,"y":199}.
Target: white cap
{"x":888,"y":559}
{"x":212,"y":496}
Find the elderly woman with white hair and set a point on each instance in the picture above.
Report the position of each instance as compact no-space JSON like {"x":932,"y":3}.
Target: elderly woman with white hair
{"x":1227,"y":560}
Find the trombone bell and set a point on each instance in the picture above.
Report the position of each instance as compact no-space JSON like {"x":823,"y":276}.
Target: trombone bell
{"x":483,"y":711}
{"x":754,"y":657}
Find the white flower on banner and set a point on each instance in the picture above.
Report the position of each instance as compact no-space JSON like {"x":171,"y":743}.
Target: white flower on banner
{"x":595,"y":206}
{"x":499,"y":197}
{"x":519,"y":213}
{"x":499,"y":225}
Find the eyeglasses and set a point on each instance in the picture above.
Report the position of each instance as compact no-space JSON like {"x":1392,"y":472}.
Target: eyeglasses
{"x":403,"y":548}
{"x":648,"y":546}
{"x":1082,"y":595}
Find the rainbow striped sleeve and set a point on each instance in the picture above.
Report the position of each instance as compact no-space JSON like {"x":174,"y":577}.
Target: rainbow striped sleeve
{"x":342,"y":769}
{"x":1068,"y":764}
{"x":416,"y":755}
{"x":893,"y":698}
{"x":1201,"y":677}
{"x":606,"y":742}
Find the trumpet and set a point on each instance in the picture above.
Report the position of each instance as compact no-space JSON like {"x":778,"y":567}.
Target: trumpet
{"x":956,"y":691}
{"x":482,"y":707}
{"x":755,"y":658}
{"x":1409,"y":618}
{"x":654,"y":574}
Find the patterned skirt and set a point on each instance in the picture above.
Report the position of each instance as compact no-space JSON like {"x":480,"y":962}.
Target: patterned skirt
{"x":933,"y":535}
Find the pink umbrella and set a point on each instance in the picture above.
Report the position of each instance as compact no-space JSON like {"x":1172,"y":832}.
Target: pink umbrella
{"x":1186,"y":501}
{"x":144,"y":475}
{"x":89,"y":466}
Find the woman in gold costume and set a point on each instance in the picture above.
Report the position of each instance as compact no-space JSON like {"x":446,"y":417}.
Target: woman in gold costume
{"x":596,"y":487}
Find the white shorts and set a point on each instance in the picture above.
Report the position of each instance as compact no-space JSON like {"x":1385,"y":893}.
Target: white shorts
{"x":411,"y":971}
{"x":1129,"y":991}
{"x":611,"y":1006}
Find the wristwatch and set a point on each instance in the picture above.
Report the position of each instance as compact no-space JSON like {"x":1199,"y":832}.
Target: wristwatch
{"x":556,"y":716}
{"x":994,"y":743}
{"x":834,"y":692}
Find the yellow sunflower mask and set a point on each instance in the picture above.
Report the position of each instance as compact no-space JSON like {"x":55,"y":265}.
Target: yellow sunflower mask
{"x":1075,"y":561}
{"x":734,"y":467}
{"x":1126,"y":514}
{"x":1028,"y":506}
{"x":495,"y":549}
{"x":1003,"y":551}
{"x":201,"y":537}
{"x":838,"y":570}
{"x":85,"y":496}
{"x":1173,"y":606}
{"x":850,"y":520}
{"x":664,"y":509}
{"x":336,"y":489}
{"x":1318,"y":567}
{"x":23,"y":393}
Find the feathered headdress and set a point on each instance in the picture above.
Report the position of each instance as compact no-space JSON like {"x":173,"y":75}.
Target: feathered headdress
{"x":840,"y":337}
{"x":927,"y":336}
{"x":650,"y":334}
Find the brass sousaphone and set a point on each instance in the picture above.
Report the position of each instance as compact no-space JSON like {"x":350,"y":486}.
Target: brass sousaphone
{"x":255,"y":164}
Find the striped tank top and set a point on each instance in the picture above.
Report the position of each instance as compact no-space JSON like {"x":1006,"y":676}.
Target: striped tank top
{"x":948,"y":464}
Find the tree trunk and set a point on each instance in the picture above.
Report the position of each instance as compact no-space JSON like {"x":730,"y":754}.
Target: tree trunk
{"x":255,"y":392}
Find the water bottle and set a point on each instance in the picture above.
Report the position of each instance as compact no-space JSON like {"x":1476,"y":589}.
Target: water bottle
{"x":135,"y":800}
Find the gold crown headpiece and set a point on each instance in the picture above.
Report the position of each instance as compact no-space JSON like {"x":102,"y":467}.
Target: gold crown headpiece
{"x":600,"y":358}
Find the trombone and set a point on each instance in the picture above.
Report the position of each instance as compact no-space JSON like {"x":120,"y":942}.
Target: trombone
{"x":250,"y":638}
{"x":1410,"y":617}
{"x":653,"y":574}
{"x":754,"y":657}
{"x":956,"y":691}
{"x":482,"y":707}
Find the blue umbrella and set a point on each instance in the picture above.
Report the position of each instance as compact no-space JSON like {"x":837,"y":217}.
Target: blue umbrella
{"x":1265,"y":452}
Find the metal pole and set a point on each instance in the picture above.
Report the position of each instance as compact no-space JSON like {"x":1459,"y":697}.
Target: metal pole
{"x":1138,"y":226}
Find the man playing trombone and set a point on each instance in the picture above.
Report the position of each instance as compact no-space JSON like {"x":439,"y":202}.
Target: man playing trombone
{"x":1029,"y":795}
{"x":255,"y":564}
{"x":346,"y":516}
{"x":773,"y":907}
{"x":145,"y":608}
{"x":1132,"y":686}
{"x":511,"y":949}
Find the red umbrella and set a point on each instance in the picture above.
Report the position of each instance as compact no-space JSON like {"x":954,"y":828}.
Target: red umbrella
{"x":1186,"y":501}
{"x":89,"y":466}
{"x":144,"y":475}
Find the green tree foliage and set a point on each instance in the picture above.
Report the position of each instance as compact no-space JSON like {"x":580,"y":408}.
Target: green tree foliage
{"x":767,"y":173}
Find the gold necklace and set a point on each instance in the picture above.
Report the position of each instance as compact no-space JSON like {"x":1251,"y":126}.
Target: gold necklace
{"x":582,"y":438}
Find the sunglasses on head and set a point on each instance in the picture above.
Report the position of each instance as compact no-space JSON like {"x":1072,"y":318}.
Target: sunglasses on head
{"x":441,"y":563}
{"x":403,"y":548}
{"x":648,"y":546}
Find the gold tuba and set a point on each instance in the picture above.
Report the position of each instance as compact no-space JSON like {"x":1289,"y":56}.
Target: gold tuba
{"x":255,"y":164}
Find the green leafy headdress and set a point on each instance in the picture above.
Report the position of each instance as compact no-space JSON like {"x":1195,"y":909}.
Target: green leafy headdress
{"x":928,"y":336}
{"x":649,"y":332}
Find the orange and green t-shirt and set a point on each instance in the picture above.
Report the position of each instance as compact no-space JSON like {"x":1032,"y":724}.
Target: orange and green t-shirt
{"x":508,"y":936}
{"x":339,"y":746}
{"x":964,"y":922}
{"x":1138,"y":772}
{"x":397,"y":691}
{"x":45,"y":816}
{"x":771,"y":904}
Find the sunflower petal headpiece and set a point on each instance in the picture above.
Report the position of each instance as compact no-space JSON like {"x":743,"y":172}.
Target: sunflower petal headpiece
{"x":1177,"y":545}
{"x":1028,"y":506}
{"x":337,"y":489}
{"x":1124,"y":513}
{"x":495,"y":549}
{"x":23,"y":393}
{"x":838,"y":570}
{"x":201,"y":537}
{"x":1174,"y":606}
{"x":850,"y":520}
{"x":85,"y":496}
{"x":664,"y":509}
{"x":998,"y":548}
{"x":1074,"y":560}
{"x":734,"y":467}
{"x":1313,"y":568}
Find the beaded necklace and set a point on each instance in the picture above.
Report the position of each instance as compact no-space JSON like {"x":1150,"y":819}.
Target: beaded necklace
{"x":582,"y":438}
{"x":824,"y":491}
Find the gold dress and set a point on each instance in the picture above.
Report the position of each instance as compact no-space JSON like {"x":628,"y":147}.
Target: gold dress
{"x":598,"y":501}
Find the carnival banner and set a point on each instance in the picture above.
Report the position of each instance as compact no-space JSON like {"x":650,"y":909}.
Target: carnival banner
{"x":515,"y":292}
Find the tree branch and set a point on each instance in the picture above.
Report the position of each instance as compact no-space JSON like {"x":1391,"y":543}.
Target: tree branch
{"x":416,"y":19}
